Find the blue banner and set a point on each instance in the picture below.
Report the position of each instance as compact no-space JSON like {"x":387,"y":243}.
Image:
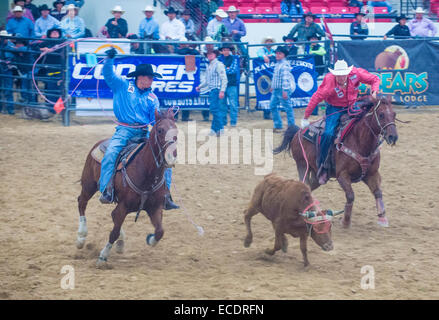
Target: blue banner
{"x":305,"y":85}
{"x":175,"y":88}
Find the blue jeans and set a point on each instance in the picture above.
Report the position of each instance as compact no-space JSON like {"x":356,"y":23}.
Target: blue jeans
{"x":232,"y":94}
{"x":332,"y":120}
{"x":380,"y":4}
{"x":276,"y":100}
{"x":215,"y":110}
{"x":7,"y":82}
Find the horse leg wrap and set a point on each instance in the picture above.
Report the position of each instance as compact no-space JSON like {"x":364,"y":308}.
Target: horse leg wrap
{"x":150,"y":240}
{"x":105,"y":252}
{"x":82,"y":232}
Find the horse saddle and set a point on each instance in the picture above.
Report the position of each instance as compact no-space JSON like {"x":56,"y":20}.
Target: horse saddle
{"x":127,"y":154}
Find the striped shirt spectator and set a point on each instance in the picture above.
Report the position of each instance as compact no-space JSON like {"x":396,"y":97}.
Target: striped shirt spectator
{"x":216,"y":77}
{"x":282,"y":76}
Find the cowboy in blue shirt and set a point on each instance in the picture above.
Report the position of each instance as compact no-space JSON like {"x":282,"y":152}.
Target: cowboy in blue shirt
{"x":134,"y":104}
{"x":359,"y":29}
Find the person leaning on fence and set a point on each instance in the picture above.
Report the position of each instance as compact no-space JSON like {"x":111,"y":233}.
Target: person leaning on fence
{"x":6,"y":79}
{"x":281,"y":85}
{"x":306,"y":29}
{"x":45,"y":22}
{"x":72,"y":25}
{"x":318,"y":52}
{"x":55,"y":63}
{"x":292,"y":48}
{"x":117,"y":27}
{"x":142,"y":112}
{"x":19,"y":25}
{"x":421,"y":26}
{"x":235,"y":28}
{"x":230,"y":101}
{"x":215,"y":28}
{"x":26,"y":12}
{"x":216,"y":82}
{"x":135,"y":47}
{"x":359,"y":29}
{"x":58,"y":11}
{"x":399,"y":31}
{"x":266,"y":52}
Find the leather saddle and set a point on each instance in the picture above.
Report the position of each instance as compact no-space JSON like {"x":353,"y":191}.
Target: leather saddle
{"x":127,"y":154}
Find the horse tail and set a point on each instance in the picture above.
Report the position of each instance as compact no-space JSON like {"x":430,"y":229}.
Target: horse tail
{"x":288,"y":136}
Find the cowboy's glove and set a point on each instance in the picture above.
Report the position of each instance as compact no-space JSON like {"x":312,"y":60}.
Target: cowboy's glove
{"x":111,"y":53}
{"x":304,"y":123}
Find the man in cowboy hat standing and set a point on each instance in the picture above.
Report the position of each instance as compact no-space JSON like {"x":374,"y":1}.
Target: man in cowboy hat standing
{"x":234,"y":25}
{"x":58,"y":11}
{"x":142,"y":112}
{"x":305,"y":29}
{"x":340,"y":90}
{"x":421,"y":26}
{"x":45,"y":22}
{"x":215,"y":28}
{"x":173,"y":29}
{"x":401,"y":30}
{"x":359,"y":29}
{"x":117,"y":27}
{"x":20,"y":26}
{"x":149,"y":28}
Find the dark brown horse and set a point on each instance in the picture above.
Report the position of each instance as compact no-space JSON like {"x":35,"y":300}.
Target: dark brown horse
{"x":357,"y":158}
{"x":140,"y":186}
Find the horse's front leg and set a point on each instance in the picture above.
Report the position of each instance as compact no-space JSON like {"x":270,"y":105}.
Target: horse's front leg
{"x":156,"y":216}
{"x":374,"y":184}
{"x":345,"y":182}
{"x":118,"y":215}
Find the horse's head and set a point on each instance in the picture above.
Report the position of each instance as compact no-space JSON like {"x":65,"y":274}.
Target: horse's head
{"x":164,"y":134}
{"x":382,"y":119}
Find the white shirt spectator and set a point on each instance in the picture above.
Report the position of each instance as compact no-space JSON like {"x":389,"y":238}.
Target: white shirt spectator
{"x":172,"y":30}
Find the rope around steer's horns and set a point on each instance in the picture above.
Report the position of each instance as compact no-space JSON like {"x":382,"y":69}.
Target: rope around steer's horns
{"x":312,"y":215}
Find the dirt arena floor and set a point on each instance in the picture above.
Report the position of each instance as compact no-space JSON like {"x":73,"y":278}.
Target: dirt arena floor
{"x":40,"y":163}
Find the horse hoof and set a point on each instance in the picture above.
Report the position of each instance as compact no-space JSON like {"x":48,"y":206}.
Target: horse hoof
{"x":150,"y":240}
{"x":80,"y":243}
{"x":101,"y":263}
{"x":383,"y":222}
{"x":285,"y":248}
{"x":247,"y":242}
{"x":120,"y":246}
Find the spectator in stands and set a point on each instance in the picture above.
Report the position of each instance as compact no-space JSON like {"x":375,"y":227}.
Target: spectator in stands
{"x":77,"y":3}
{"x":207,"y":7}
{"x":215,"y":28}
{"x":230,"y":101}
{"x":185,"y":49}
{"x":235,"y":27}
{"x":399,"y":31}
{"x":117,"y":27}
{"x":53,"y":85}
{"x":45,"y":22}
{"x":359,"y":29}
{"x":173,"y":29}
{"x":72,"y":25}
{"x":6,"y":80}
{"x":291,"y":7}
{"x":33,"y":9}
{"x":216,"y":82}
{"x":289,"y":40}
{"x":377,"y":4}
{"x":149,"y":28}
{"x":356,"y":3}
{"x":318,"y":51}
{"x":266,"y":52}
{"x":306,"y":29}
{"x":135,"y":47}
{"x":188,"y":24}
{"x":207,"y":47}
{"x":19,"y":25}
{"x":281,"y":89}
{"x":421,"y":26}
{"x":58,"y":10}
{"x":26,"y":12}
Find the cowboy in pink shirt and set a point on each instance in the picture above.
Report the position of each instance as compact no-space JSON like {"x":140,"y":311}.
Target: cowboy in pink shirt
{"x":340,"y":90}
{"x":421,"y":26}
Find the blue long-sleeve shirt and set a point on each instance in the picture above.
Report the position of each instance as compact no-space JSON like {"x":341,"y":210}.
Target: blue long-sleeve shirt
{"x":44,"y":24}
{"x":149,"y":28}
{"x":75,"y":27}
{"x":237,"y":25}
{"x":130,"y":104}
{"x":23,"y":27}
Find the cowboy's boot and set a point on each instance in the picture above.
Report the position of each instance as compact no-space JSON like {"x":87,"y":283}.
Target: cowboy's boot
{"x":169,"y":204}
{"x":106,"y":196}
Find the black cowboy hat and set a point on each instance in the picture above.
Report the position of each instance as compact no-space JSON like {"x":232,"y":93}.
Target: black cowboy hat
{"x":54,"y":29}
{"x":171,"y":10}
{"x":56,"y":2}
{"x":43,"y":7}
{"x":282,"y":49}
{"x":360,"y":14}
{"x":401,"y":17}
{"x":144,"y":69}
{"x":226,"y":45}
{"x":186,"y":12}
{"x":309,"y":14}
{"x":284,"y":38}
{"x":215,"y":51}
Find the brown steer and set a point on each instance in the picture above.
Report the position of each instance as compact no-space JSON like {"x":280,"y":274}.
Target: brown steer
{"x":282,"y":201}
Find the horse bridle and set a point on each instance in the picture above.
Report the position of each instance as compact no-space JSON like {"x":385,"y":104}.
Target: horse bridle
{"x":374,"y":113}
{"x":159,"y":162}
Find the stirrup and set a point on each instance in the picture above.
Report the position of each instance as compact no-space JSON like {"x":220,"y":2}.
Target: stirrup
{"x":322,"y":175}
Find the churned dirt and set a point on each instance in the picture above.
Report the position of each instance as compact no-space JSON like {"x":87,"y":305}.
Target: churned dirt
{"x":41,"y":162}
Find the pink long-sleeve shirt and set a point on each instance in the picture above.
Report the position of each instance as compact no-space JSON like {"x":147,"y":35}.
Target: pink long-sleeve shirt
{"x":26,"y":13}
{"x":331,"y":92}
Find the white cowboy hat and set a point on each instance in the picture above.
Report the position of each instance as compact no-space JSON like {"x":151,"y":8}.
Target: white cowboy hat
{"x":117,"y":9}
{"x":221,"y":13}
{"x":71,"y":6}
{"x":268,"y":38}
{"x":419,"y":10}
{"x":232,"y":9}
{"x":340,"y":68}
{"x":148,"y":8}
{"x":208,"y":39}
{"x":5,"y":33}
{"x":17,"y":8}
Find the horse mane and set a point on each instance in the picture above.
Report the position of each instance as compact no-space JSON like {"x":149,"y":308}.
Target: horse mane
{"x":366,"y":103}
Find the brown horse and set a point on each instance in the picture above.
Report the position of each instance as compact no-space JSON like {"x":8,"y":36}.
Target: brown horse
{"x":357,"y":158}
{"x":140,"y":187}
